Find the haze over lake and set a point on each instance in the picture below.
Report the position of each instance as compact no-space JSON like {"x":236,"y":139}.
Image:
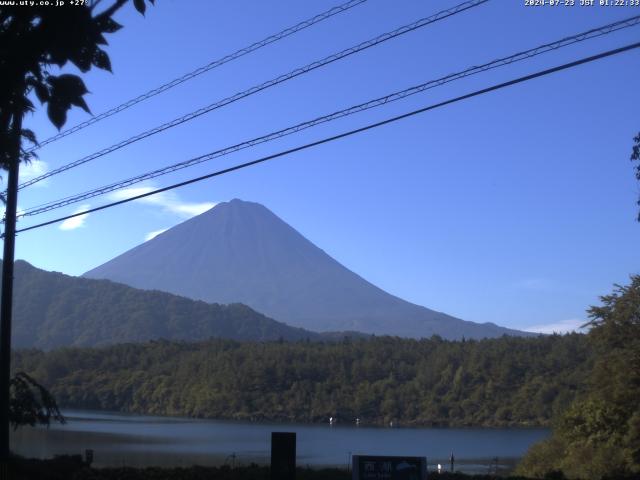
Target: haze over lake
{"x":137,"y":440}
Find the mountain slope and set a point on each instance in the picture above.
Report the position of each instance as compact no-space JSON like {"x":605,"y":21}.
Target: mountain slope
{"x":241,"y":252}
{"x":52,"y":310}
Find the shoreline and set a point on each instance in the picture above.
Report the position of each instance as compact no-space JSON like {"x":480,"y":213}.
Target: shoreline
{"x":126,"y":439}
{"x":284,"y":420}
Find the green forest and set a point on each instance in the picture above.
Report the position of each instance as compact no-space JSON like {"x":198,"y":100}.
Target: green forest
{"x":586,"y":387}
{"x":53,"y":309}
{"x":496,"y":382}
{"x":598,"y":435}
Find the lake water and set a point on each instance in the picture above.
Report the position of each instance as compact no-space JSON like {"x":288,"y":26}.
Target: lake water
{"x":137,"y":440}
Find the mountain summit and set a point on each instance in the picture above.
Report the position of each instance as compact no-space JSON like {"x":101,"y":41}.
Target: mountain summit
{"x":241,"y":252}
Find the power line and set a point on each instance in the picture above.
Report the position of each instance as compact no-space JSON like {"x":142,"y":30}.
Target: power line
{"x":205,"y":68}
{"x":349,"y":133}
{"x":270,"y":83}
{"x":564,"y":42}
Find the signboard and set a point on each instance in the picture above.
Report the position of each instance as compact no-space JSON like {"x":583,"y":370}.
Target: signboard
{"x":368,"y":467}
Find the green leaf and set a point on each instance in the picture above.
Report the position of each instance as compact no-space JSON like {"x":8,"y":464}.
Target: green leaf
{"x":27,"y":105}
{"x":29,"y":135}
{"x":79,"y":102}
{"x":107,"y":25}
{"x":67,"y":86}
{"x":100,"y":40}
{"x":30,"y":403}
{"x":42,"y":92}
{"x":140,"y":6}
{"x":82,"y":58}
{"x":66,"y":90}
{"x":101,"y":60}
{"x":57,"y":113}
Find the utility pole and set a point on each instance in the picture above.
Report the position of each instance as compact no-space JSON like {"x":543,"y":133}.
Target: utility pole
{"x":6,"y":304}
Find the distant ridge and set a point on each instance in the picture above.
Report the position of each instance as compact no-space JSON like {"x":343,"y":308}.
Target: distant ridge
{"x":241,"y":252}
{"x":53,"y":310}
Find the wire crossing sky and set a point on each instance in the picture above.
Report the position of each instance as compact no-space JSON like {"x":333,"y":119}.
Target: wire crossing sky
{"x":423,"y":22}
{"x":345,"y":134}
{"x":205,"y":68}
{"x":516,"y":208}
{"x":392,"y":97}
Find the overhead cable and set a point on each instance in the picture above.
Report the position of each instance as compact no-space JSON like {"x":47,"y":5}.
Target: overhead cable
{"x":203,"y":69}
{"x":392,"y":97}
{"x":263,"y":86}
{"x":349,"y":133}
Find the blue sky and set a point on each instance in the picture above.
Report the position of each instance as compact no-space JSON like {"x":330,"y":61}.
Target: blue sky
{"x":517,"y":207}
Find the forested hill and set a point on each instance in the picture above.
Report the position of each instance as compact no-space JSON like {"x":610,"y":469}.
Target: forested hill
{"x":506,"y":381}
{"x":53,"y":310}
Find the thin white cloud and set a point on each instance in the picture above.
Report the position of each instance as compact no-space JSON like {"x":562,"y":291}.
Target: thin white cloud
{"x":30,"y":170}
{"x":154,"y":234}
{"x":168,"y":201}
{"x":189,"y":210}
{"x":562,"y":326}
{"x":33,"y":169}
{"x":131,"y":192}
{"x":75,"y":222}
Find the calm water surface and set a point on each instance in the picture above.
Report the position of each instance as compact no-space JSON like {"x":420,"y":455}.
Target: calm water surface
{"x":138,"y":440}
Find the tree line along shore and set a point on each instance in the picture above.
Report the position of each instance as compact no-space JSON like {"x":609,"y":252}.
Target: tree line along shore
{"x":508,"y":381}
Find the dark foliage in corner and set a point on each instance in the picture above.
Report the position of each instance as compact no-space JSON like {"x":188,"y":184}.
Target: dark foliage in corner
{"x":599,"y":434}
{"x":33,"y":40}
{"x":30,"y":403}
{"x":635,"y":157}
